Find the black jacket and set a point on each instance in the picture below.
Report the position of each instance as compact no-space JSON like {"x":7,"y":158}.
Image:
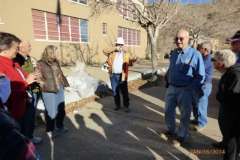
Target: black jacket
{"x":229,"y":89}
{"x":19,"y":59}
{"x":13,"y":145}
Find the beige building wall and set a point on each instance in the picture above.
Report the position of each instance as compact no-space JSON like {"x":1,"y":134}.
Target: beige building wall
{"x":16,"y":18}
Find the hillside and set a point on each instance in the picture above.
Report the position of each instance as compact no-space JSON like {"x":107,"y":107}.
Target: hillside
{"x":218,"y":21}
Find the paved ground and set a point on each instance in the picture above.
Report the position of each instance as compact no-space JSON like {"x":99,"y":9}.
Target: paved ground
{"x":96,"y":132}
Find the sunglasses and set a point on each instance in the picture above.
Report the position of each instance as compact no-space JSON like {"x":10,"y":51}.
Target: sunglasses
{"x":179,"y":38}
{"x":213,"y":60}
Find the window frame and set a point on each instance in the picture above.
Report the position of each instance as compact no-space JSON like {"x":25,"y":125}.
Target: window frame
{"x":123,"y":9}
{"x":78,"y":2}
{"x":69,"y":27}
{"x":130,"y":36}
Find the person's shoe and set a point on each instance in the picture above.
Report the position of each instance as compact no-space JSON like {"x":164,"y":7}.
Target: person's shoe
{"x":36,"y":140}
{"x":51,"y":134}
{"x":167,"y":135}
{"x":61,"y":130}
{"x":219,"y":145}
{"x":126,"y":109}
{"x":194,"y":122}
{"x":177,"y":141}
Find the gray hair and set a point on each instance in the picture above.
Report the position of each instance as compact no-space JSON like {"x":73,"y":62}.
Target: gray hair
{"x":206,"y":45}
{"x":226,"y":56}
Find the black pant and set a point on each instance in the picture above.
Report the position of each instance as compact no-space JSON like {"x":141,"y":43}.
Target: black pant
{"x":232,"y":148}
{"x":29,"y":116}
{"x":27,"y":122}
{"x":123,"y":88}
{"x":50,"y":123}
{"x":230,"y":125}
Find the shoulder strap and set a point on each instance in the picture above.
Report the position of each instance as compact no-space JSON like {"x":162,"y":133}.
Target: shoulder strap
{"x":191,"y":59}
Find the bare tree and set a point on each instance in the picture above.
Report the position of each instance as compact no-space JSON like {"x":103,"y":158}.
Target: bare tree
{"x":151,"y":15}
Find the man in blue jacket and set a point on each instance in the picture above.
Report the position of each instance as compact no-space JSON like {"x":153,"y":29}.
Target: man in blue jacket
{"x":185,"y":77}
{"x":201,"y":106}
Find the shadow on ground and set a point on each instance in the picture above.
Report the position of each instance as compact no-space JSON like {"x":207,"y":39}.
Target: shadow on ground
{"x":97,"y":132}
{"x":213,"y":104}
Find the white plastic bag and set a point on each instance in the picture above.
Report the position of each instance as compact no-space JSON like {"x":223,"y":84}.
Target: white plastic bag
{"x":81,"y":82}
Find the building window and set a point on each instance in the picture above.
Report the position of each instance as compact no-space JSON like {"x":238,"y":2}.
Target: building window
{"x":84,"y":30}
{"x":80,"y":1}
{"x":39,"y":25}
{"x":125,"y":9}
{"x":130,"y":36}
{"x":45,"y":27}
{"x":65,"y":29}
{"x":75,"y":32}
{"x":52,"y":27}
{"x":104,"y":28}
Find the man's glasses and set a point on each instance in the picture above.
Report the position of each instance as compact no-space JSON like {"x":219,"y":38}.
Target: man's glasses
{"x":179,"y":38}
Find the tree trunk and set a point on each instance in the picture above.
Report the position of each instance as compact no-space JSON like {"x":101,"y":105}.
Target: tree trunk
{"x":148,"y":49}
{"x":153,"y":32}
{"x":153,"y":43}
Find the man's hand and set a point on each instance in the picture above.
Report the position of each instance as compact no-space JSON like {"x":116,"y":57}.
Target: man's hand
{"x":200,"y":92}
{"x":33,"y":77}
{"x":134,"y":59}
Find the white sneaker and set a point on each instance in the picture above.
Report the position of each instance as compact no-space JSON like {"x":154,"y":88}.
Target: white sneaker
{"x":51,"y":135}
{"x":36,"y":140}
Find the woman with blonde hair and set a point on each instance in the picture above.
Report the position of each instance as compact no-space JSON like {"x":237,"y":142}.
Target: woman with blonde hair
{"x":53,"y":83}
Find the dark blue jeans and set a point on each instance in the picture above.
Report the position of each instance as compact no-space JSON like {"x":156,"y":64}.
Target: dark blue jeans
{"x":183,"y":98}
{"x":119,"y":86}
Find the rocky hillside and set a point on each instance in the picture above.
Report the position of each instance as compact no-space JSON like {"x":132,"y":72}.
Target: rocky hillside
{"x":216,"y":21}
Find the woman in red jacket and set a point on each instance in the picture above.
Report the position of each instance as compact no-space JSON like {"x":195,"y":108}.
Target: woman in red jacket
{"x":18,"y":78}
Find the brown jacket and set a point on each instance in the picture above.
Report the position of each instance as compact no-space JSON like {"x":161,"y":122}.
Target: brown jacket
{"x":49,"y":82}
{"x":111,"y":53}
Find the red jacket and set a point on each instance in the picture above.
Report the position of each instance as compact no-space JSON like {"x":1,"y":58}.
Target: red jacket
{"x":18,"y":98}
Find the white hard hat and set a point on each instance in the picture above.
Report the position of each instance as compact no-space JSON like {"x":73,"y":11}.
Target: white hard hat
{"x":120,"y":41}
